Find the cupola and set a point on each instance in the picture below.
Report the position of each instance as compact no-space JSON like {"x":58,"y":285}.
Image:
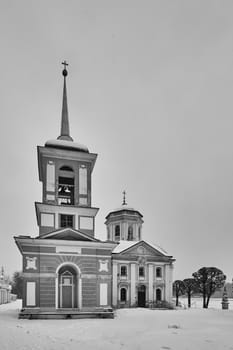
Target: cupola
{"x":124,"y":223}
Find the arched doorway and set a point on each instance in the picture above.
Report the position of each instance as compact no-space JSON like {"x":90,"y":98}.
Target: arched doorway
{"x":123,"y":295}
{"x":67,"y":287}
{"x":141,"y":295}
{"x":158,"y":294}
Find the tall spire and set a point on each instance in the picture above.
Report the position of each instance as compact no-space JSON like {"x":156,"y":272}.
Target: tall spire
{"x":124,"y":201}
{"x":65,"y":129}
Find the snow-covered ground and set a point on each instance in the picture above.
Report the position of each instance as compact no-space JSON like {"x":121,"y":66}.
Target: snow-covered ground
{"x":184,"y":329}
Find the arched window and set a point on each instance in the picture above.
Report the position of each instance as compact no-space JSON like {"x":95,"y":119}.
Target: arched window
{"x":141,"y":271}
{"x":66,"y":168}
{"x":158,"y":294}
{"x":158,"y":272}
{"x":123,"y":294}
{"x":117,"y":233}
{"x":108,"y":234}
{"x":139,"y":233}
{"x":123,"y":270}
{"x":130,"y":233}
{"x":66,"y":186}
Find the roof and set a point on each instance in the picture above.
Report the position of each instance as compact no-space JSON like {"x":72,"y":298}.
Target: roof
{"x":124,"y":208}
{"x":65,"y":144}
{"x":123,"y":245}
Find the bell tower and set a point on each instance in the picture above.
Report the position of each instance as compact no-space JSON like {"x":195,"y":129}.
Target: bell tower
{"x":65,"y":170}
{"x":124,"y":223}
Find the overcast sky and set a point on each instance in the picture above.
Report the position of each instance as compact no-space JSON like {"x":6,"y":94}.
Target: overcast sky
{"x":150,"y":89}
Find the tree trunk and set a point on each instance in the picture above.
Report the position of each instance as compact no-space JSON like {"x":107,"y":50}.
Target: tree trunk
{"x":208,"y":299}
{"x":177,"y":299}
{"x":204,"y":300}
{"x":189,"y":299}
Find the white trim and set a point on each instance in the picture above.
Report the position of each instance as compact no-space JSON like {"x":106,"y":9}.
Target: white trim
{"x":70,"y":254}
{"x":56,"y":291}
{"x":79,"y":291}
{"x":79,"y":285}
{"x":31,"y":293}
{"x":68,"y":263}
{"x":103,"y":294}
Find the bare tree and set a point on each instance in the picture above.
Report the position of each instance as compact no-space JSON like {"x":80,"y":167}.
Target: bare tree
{"x":178,"y":288}
{"x":209,"y":279}
{"x":190,"y":286}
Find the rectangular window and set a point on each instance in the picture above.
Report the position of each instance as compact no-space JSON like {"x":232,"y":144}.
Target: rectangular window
{"x":103,"y":294}
{"x":141,"y":271}
{"x":50,"y":186}
{"x":31,"y":293}
{"x":123,"y":271}
{"x":83,"y":179}
{"x":66,"y":220}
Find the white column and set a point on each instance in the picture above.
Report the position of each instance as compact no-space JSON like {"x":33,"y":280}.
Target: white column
{"x":80,"y":293}
{"x":168,"y":283}
{"x":56,"y":291}
{"x":150,"y":279}
{"x":114,"y":284}
{"x":133,"y":284}
{"x":171,"y":281}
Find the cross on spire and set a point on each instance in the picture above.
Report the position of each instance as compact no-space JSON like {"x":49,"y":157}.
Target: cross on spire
{"x":65,"y":64}
{"x":124,"y":194}
{"x":65,"y":129}
{"x":64,"y":72}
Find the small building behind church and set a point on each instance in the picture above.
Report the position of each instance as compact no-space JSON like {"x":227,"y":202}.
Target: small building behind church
{"x":5,"y":288}
{"x":67,"y":271}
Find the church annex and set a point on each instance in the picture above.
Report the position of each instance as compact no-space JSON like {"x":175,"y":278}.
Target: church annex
{"x":67,"y":271}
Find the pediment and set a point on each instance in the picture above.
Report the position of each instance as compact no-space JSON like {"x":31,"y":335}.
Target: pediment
{"x":69,"y":234}
{"x":142,"y":248}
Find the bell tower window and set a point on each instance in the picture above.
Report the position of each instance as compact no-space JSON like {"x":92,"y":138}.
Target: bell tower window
{"x":66,"y":220}
{"x":66,"y":186}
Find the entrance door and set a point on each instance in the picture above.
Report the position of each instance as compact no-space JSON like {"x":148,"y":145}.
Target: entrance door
{"x":141,"y":296}
{"x":67,"y":289}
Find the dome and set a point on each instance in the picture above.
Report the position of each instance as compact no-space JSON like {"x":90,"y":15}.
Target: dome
{"x":124,"y":209}
{"x":64,"y":144}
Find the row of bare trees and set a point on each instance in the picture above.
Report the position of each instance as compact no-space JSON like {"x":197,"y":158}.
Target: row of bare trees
{"x":205,"y":282}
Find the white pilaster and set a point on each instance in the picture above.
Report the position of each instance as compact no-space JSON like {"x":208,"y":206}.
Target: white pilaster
{"x":56,"y":291}
{"x":80,"y":293}
{"x":133,"y":284}
{"x":114,"y":284}
{"x":150,"y":280}
{"x":168,"y":283}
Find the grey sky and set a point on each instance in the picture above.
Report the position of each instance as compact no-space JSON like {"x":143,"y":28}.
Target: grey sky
{"x":150,"y":90}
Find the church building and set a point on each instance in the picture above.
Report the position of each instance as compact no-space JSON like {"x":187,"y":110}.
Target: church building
{"x":67,"y":271}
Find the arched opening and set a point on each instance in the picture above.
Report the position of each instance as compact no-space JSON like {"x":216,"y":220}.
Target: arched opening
{"x":141,"y":295}
{"x":158,"y":294}
{"x":123,"y":295}
{"x":139,"y":233}
{"x":67,"y":287}
{"x":66,"y":186}
{"x":117,"y":233}
{"x":130,"y":233}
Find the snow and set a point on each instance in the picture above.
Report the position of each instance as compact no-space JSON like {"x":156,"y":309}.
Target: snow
{"x":123,"y":245}
{"x":133,"y":329}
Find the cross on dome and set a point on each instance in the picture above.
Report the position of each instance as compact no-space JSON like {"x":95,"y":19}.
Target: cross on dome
{"x":124,"y":195}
